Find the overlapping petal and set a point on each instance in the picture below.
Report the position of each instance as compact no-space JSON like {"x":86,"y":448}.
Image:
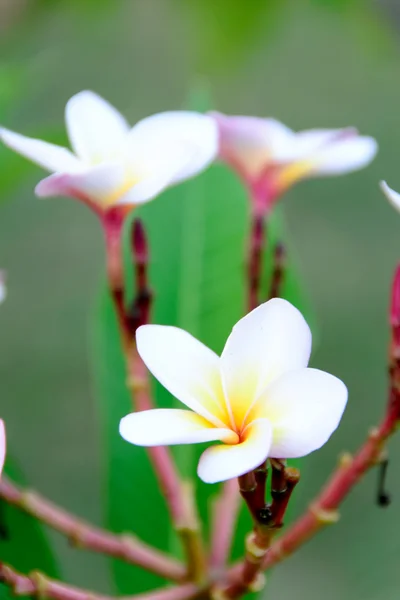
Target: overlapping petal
{"x":159,"y":139}
{"x":220,"y":463}
{"x":305,"y":407}
{"x":164,"y":426}
{"x":100,"y":184}
{"x":97,"y":131}
{"x":186,"y":368}
{"x":271,"y":340}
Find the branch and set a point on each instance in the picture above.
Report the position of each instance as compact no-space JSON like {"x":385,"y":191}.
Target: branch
{"x":225,"y":511}
{"x":39,"y":585}
{"x":83,"y":535}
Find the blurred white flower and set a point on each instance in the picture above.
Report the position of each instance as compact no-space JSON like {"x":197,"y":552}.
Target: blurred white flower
{"x":3,"y":289}
{"x":391,"y":195}
{"x":2,"y":445}
{"x":270,"y":157}
{"x":258,"y":398}
{"x":112,"y":164}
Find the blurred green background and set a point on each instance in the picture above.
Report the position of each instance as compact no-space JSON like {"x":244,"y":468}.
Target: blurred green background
{"x":308,"y":63}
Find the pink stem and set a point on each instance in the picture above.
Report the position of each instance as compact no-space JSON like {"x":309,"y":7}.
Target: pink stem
{"x":226,"y":509}
{"x":81,"y":534}
{"x":39,"y":585}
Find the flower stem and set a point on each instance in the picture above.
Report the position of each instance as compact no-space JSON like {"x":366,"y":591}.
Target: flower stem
{"x":278,"y":271}
{"x":40,"y":586}
{"x":82,"y":535}
{"x":254,"y":267}
{"x":138,"y":376}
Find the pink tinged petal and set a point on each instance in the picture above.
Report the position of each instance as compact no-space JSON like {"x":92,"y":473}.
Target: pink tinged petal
{"x":160,"y":427}
{"x":250,"y":143}
{"x":2,"y":445}
{"x":220,"y":463}
{"x":49,"y":156}
{"x":186,"y":368}
{"x":344,"y":155}
{"x":101,"y":184}
{"x":391,"y":195}
{"x":305,"y":408}
{"x":181,"y":142}
{"x":271,"y":340}
{"x":97,"y":131}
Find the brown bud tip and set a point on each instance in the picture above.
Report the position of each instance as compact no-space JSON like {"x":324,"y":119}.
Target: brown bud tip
{"x":395,"y":300}
{"x":139,"y":241}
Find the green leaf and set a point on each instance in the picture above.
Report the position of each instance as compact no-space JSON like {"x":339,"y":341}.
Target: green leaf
{"x":23,"y":544}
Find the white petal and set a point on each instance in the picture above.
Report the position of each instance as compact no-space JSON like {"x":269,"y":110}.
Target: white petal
{"x":272,"y":339}
{"x":151,"y":184}
{"x":155,"y":142}
{"x":160,"y":427}
{"x":2,"y":445}
{"x":186,"y":368}
{"x":97,"y":131}
{"x":3,"y":288}
{"x":99,"y":184}
{"x":48,"y":156}
{"x":391,"y":195}
{"x":250,"y":143}
{"x":344,"y":155}
{"x":220,"y":463}
{"x":305,"y":408}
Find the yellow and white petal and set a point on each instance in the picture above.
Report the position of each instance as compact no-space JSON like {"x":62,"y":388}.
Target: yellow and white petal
{"x":186,"y":368}
{"x":346,"y":154}
{"x":220,"y":463}
{"x":97,"y":131}
{"x":305,"y":408}
{"x":391,"y":195}
{"x":154,"y":142}
{"x":163,"y":427}
{"x":250,"y":143}
{"x":101,"y":184}
{"x":2,"y":445}
{"x":271,"y":340}
{"x":153,"y":179}
{"x":49,"y":156}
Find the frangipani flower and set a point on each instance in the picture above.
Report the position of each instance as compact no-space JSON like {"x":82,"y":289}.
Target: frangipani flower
{"x":112,"y":164}
{"x":259,"y":398}
{"x":2,"y":445}
{"x":391,"y":195}
{"x":270,"y":157}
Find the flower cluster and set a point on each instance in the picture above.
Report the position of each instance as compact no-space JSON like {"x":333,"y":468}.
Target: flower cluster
{"x":259,"y":398}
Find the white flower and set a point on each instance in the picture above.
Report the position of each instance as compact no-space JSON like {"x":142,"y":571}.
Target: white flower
{"x":2,"y":445}
{"x":268,"y":154}
{"x":114,"y":164}
{"x":391,"y":195}
{"x":3,"y":289}
{"x":258,"y":398}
